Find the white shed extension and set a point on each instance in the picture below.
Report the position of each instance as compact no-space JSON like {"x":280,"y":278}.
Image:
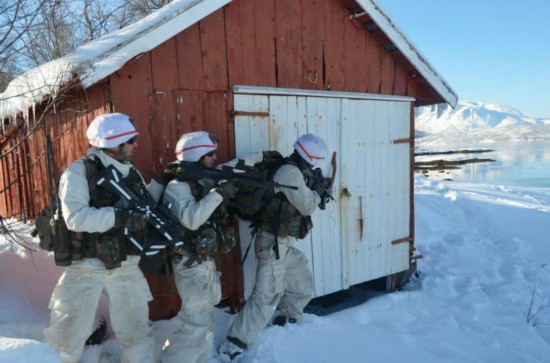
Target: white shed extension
{"x":366,"y":233}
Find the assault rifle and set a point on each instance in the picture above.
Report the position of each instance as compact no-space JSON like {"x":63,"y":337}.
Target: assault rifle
{"x":157,"y":216}
{"x":246,"y":175}
{"x":315,"y":176}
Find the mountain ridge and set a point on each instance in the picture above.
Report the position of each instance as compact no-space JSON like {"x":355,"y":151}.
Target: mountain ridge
{"x":470,"y":116}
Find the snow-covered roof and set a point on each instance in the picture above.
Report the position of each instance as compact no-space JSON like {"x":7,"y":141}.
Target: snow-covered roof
{"x":99,"y":58}
{"x":409,"y":51}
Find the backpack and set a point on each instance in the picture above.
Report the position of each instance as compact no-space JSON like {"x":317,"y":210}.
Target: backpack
{"x":250,"y":201}
{"x":50,"y":225}
{"x":46,"y":225}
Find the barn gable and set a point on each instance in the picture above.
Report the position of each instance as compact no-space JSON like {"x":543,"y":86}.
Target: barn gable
{"x":256,"y":73}
{"x":98,"y":59}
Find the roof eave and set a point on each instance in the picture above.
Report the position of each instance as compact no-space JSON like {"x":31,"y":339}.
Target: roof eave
{"x":409,"y":51}
{"x":94,"y":61}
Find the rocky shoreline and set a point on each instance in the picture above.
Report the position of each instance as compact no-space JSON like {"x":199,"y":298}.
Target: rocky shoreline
{"x":442,"y":165}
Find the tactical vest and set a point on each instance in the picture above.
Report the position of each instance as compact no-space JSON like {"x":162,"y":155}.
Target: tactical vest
{"x":280,"y":217}
{"x":111,"y":247}
{"x":276,"y":214}
{"x":217,"y":233}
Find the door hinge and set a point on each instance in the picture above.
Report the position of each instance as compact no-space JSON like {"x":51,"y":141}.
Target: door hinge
{"x":402,"y":141}
{"x":250,"y":114}
{"x":401,"y":240}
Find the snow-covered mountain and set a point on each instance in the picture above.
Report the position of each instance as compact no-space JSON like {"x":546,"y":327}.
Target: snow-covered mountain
{"x":470,"y":116}
{"x":477,"y":122}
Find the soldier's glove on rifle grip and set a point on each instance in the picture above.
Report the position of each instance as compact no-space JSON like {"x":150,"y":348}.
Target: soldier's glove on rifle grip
{"x":167,"y":174}
{"x":129,"y":218}
{"x":319,"y":187}
{"x":227,"y":189}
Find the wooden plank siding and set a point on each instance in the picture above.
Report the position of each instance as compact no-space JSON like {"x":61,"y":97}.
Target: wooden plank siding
{"x":310,"y":44}
{"x":189,"y":58}
{"x":165,"y":57}
{"x":213,"y":53}
{"x":352,"y":240}
{"x":162,"y":129}
{"x":24,"y":183}
{"x":288,"y":43}
{"x":131,"y":87}
{"x":313,"y":38}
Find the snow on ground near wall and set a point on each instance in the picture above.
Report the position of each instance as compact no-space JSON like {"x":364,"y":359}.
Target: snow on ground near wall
{"x":486,"y":257}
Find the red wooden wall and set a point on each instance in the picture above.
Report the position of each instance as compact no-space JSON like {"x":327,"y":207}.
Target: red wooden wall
{"x":23,"y":174}
{"x":186,"y":83}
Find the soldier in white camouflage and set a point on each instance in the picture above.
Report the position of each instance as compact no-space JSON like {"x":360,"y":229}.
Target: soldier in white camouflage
{"x":198,"y":204}
{"x":284,"y":283}
{"x":100,"y":259}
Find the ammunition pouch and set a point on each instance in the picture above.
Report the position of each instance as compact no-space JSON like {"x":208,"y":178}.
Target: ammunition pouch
{"x":44,"y":229}
{"x":82,"y":245}
{"x":298,"y":228}
{"x":305,"y":226}
{"x":205,"y":242}
{"x":283,"y":219}
{"x":60,"y":242}
{"x":107,"y":250}
{"x":228,"y":238}
{"x":158,"y":263}
{"x":210,"y":238}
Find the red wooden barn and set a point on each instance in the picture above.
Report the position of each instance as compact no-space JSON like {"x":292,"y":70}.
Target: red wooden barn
{"x":257,"y":73}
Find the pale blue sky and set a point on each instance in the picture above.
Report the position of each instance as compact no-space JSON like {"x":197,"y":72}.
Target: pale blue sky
{"x":495,"y":51}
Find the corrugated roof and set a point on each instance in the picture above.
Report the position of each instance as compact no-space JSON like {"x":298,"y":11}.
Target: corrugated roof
{"x":99,"y":58}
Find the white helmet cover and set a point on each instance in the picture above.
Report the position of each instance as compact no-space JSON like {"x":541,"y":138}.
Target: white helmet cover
{"x":110,"y":130}
{"x":194,"y":145}
{"x":311,"y":148}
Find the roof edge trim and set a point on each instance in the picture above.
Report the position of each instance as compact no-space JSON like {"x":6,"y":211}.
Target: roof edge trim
{"x":409,"y":51}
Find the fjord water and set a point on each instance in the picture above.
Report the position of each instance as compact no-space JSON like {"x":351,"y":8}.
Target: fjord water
{"x":524,"y":164}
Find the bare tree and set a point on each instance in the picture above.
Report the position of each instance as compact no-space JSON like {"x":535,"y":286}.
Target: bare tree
{"x":100,"y":17}
{"x":16,"y":17}
{"x":54,"y":35}
{"x":146,"y":7}
{"x":33,"y":32}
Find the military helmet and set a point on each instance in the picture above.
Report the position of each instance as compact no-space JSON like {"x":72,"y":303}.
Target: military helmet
{"x":311,"y":148}
{"x":110,"y":130}
{"x":194,"y":145}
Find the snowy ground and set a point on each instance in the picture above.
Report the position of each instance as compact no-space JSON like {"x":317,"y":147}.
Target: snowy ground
{"x":482,"y":293}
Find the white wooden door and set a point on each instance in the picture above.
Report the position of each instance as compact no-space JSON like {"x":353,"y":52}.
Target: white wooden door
{"x":351,"y":241}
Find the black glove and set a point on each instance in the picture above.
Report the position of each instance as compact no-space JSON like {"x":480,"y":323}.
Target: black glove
{"x":319,"y":187}
{"x":167,"y":174}
{"x":227,"y":189}
{"x":130,"y":218}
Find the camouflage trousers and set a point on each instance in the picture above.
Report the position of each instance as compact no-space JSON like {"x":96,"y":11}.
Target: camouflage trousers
{"x":284,"y":285}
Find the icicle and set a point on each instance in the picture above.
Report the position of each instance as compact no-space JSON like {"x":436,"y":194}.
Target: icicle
{"x":53,"y":97}
{"x":34,"y":114}
{"x":25,"y":114}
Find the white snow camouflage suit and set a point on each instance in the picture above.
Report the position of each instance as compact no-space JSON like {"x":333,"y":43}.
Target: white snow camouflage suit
{"x":199,"y":285}
{"x":75,"y":299}
{"x":284,"y":285}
